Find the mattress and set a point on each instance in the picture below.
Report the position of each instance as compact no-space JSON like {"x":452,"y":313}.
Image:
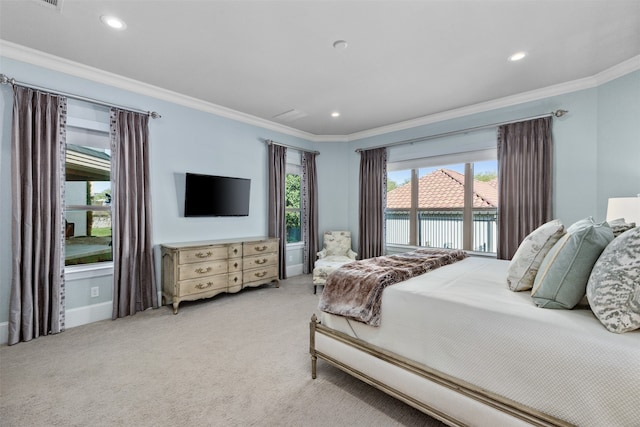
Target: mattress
{"x":463,"y":321}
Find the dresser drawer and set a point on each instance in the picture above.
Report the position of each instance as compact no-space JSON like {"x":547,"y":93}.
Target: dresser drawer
{"x":204,"y":253}
{"x":204,"y":284}
{"x":235,"y":250}
{"x":202,"y":269}
{"x":260,"y":275}
{"x":235,"y":279}
{"x":235,"y":265}
{"x":257,"y":261}
{"x":259,"y":247}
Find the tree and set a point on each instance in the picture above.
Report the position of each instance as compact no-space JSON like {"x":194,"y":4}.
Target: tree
{"x":485,"y":176}
{"x":292,"y":201}
{"x":391,"y":185}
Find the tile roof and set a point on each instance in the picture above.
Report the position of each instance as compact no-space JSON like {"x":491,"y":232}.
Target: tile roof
{"x":444,"y":189}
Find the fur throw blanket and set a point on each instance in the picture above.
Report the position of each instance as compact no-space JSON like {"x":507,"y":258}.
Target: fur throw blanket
{"x":355,"y":289}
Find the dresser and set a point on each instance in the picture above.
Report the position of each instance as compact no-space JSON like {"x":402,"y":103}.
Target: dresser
{"x":196,"y":270}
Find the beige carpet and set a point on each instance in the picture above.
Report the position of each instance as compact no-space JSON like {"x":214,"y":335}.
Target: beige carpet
{"x":234,"y":360}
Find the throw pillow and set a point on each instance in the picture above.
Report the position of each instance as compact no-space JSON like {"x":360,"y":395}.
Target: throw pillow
{"x":613,"y":289}
{"x":526,"y":261}
{"x":619,"y":226}
{"x":562,"y":278}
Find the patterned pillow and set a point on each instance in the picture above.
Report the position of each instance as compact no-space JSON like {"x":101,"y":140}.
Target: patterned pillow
{"x":562,"y":278}
{"x":619,"y":226}
{"x":527,"y":259}
{"x":613,"y":289}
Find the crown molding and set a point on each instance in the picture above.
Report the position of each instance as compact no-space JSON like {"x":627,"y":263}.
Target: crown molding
{"x":39,"y":58}
{"x":619,"y":70}
{"x":55,"y":63}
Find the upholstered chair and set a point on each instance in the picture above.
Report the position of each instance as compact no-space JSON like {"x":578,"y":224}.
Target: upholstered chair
{"x":335,"y":253}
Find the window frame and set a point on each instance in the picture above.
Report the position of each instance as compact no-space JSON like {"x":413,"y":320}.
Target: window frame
{"x":466,"y":158}
{"x":294,"y":169}
{"x":92,"y":129}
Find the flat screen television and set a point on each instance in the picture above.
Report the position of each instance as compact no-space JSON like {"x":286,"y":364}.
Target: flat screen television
{"x":209,"y":195}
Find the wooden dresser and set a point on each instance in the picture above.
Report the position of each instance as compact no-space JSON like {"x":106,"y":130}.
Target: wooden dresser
{"x":195,"y":270}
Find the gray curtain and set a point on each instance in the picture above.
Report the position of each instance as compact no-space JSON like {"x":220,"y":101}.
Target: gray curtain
{"x":309,"y":211}
{"x":525,"y":166}
{"x":277,"y":225}
{"x":36,"y":305}
{"x":133,"y":267}
{"x":373,"y":201}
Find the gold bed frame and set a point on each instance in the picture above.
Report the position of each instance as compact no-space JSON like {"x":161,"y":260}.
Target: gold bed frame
{"x":507,"y":406}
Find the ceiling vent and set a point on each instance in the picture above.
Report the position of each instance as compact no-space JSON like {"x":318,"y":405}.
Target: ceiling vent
{"x":51,"y":4}
{"x":290,"y":116}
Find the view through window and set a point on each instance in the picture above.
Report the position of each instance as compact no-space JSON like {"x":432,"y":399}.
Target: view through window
{"x":449,"y":206}
{"x":88,"y":205}
{"x":293,"y":208}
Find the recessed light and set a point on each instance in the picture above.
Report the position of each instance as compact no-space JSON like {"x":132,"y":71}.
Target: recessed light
{"x":517,"y":56}
{"x":113,"y":22}
{"x":340,"y":44}
{"x":335,"y":114}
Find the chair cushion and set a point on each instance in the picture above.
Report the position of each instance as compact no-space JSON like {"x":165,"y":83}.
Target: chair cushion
{"x":337,"y":243}
{"x":328,"y":265}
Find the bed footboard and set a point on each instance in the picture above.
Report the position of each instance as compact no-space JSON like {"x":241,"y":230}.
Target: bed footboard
{"x":440,"y":396}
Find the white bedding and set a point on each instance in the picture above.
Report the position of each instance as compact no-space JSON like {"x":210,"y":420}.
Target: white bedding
{"x":462,"y":320}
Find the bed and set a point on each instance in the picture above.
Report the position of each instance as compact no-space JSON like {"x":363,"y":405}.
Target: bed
{"x":459,"y":345}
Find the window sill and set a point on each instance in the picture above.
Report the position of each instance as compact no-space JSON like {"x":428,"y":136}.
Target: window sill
{"x":88,"y":271}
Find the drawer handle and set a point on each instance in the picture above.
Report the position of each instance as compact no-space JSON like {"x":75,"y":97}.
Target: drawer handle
{"x":204,"y":255}
{"x":235,"y":279}
{"x":235,"y":265}
{"x":202,"y":286}
{"x":261,"y":274}
{"x":235,"y":251}
{"x":260,"y":248}
{"x":203,"y":270}
{"x":261,"y":261}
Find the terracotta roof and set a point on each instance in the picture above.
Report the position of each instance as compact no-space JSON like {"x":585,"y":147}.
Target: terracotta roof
{"x":444,"y":189}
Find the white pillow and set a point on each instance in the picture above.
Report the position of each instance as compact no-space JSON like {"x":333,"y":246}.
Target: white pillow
{"x":527,"y":259}
{"x":613,"y":289}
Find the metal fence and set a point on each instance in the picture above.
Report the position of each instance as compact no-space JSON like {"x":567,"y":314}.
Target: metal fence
{"x":443,"y":228}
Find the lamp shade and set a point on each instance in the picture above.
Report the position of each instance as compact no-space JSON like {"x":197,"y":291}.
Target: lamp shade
{"x":624,"y":207}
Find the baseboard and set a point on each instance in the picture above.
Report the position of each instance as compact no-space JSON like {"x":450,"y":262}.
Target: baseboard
{"x":73,"y":317}
{"x":4,"y":333}
{"x":294,"y":270}
{"x":88,"y":314}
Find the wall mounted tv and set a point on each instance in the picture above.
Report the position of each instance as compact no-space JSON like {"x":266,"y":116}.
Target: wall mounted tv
{"x":208,"y":195}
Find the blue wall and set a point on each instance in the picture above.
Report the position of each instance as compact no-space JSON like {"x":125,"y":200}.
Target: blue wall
{"x":597,"y":153}
{"x":597,"y":146}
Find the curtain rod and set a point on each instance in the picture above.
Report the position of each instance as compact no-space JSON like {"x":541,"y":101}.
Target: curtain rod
{"x":272,"y":142}
{"x":6,"y":80}
{"x":557,"y":113}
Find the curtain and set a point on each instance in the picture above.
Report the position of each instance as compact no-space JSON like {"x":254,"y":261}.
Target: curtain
{"x":277,"y":225}
{"x":36,"y":305}
{"x":309,"y":211}
{"x":373,"y":201}
{"x":525,"y":163}
{"x":134,"y":286}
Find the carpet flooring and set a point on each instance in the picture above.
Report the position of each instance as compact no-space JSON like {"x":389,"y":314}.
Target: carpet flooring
{"x":233,"y":360}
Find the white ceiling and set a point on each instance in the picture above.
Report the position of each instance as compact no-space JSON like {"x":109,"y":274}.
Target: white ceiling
{"x":404,"y":60}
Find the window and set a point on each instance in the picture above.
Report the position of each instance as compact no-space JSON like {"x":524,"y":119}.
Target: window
{"x":293,"y":208}
{"x":444,"y":206}
{"x":88,"y":201}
